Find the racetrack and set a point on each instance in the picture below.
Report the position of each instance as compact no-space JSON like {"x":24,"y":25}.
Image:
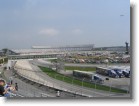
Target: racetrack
{"x":32,"y":72}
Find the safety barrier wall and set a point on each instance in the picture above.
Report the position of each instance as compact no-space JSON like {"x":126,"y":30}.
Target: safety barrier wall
{"x":30,"y":75}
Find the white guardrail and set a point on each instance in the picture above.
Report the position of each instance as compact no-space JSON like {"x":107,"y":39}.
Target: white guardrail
{"x":15,"y":95}
{"x":32,"y":76}
{"x":38,"y":80}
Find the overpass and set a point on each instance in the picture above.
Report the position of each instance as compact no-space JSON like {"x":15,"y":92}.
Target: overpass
{"x":34,"y":56}
{"x":12,"y":58}
{"x":30,"y":54}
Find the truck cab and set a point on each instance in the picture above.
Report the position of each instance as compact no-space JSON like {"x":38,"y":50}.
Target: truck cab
{"x":119,"y":72}
{"x":112,"y":73}
{"x":126,"y":73}
{"x":97,"y":79}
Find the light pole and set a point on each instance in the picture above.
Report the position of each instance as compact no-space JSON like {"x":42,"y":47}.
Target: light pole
{"x":128,"y":89}
{"x":63,"y":78}
{"x":82,"y":84}
{"x":110,"y":86}
{"x":55,"y":76}
{"x":95,"y":85}
{"x":72,"y":80}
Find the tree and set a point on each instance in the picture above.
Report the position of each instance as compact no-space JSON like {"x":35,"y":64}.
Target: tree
{"x":5,"y":50}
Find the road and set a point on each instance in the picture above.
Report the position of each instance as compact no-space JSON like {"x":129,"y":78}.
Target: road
{"x":29,"y":89}
{"x":122,"y":83}
{"x":45,"y":62}
{"x":25,"y":88}
{"x":94,"y":65}
{"x":69,"y":87}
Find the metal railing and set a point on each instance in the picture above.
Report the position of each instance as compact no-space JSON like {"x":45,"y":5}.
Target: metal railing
{"x":46,"y":83}
{"x":61,"y":87}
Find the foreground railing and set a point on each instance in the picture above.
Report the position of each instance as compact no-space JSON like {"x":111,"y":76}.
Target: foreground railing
{"x":32,"y":76}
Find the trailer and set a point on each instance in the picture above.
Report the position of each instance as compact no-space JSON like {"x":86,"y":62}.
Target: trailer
{"x":82,"y":74}
{"x":122,"y":71}
{"x":107,"y":72}
{"x":125,"y":71}
{"x":92,"y":77}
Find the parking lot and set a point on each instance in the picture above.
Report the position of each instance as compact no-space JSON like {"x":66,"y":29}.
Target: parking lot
{"x":122,"y":83}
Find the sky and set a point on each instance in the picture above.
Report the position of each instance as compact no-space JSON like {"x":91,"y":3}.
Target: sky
{"x":26,"y":23}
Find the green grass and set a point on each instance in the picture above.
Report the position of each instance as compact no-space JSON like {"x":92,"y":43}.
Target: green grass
{"x":80,"y":68}
{"x":74,"y":81}
{"x":53,"y":60}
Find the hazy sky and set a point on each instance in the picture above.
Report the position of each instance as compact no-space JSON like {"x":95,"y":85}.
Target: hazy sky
{"x":24,"y":23}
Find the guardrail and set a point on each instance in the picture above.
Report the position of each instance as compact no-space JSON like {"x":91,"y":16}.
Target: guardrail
{"x":48,"y":84}
{"x":41,"y":81}
{"x":46,"y":95}
{"x":15,"y":95}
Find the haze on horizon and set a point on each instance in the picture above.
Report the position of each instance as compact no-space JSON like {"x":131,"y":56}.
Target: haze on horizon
{"x":26,"y":23}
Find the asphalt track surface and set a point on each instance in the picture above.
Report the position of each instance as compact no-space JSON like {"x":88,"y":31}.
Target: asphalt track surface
{"x":30,"y":89}
{"x":95,"y":65}
{"x":26,"y":89}
{"x":73,"y":88}
{"x":122,"y":83}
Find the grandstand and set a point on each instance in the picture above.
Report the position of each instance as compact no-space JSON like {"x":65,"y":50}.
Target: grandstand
{"x":67,"y":48}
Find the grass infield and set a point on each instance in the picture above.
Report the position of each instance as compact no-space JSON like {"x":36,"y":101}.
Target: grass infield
{"x":78,"y":82}
{"x":80,"y":68}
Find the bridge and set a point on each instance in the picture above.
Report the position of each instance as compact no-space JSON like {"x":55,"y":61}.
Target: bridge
{"x":30,"y":54}
{"x":33,"y":56}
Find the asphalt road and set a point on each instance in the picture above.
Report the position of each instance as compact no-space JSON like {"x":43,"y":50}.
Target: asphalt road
{"x":69,"y":87}
{"x":25,"y":87}
{"x":45,"y":62}
{"x":122,"y":83}
{"x":94,"y":65}
{"x":29,"y":89}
